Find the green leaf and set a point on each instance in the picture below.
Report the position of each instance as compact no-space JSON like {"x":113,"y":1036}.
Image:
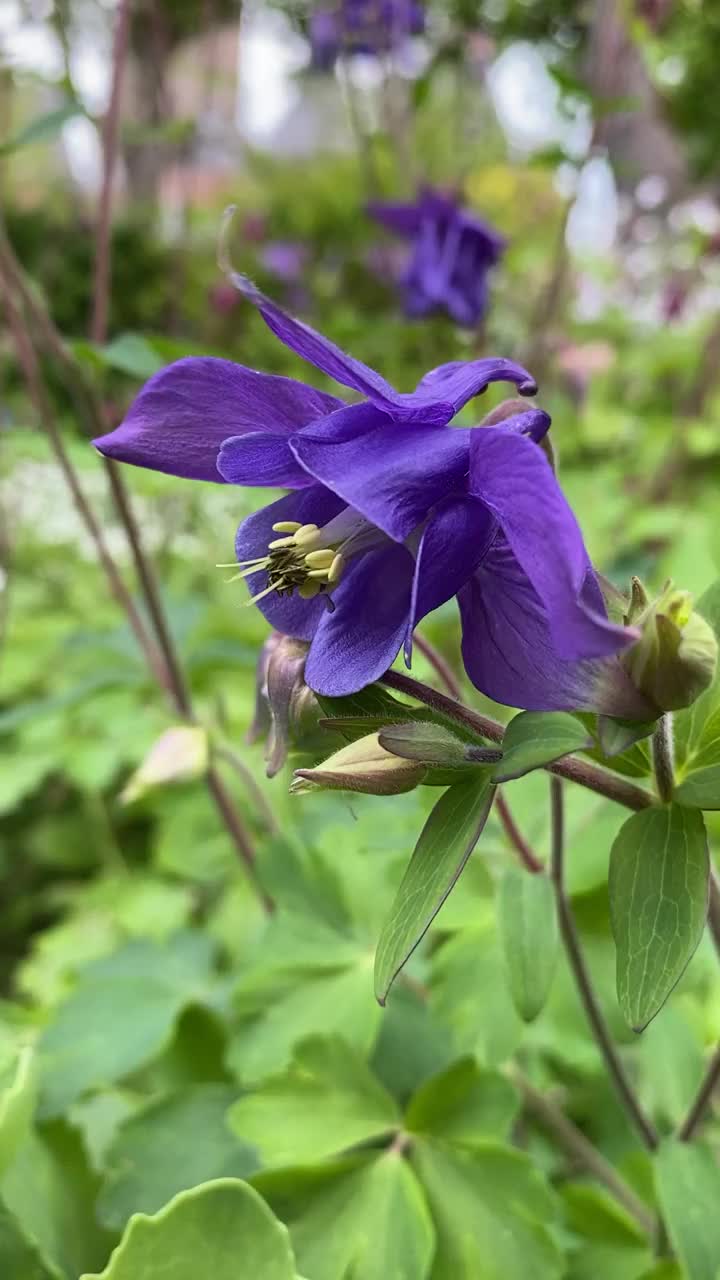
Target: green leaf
{"x":699,"y":776}
{"x":121,"y":1016}
{"x":617,"y":736}
{"x":20,"y":1259}
{"x":361,"y":1217}
{"x":222,"y":1230}
{"x":446,"y":842}
{"x":101,"y":1033}
{"x":492,"y":1212}
{"x":464,"y":1104}
{"x":327,"y":1102}
{"x":687,"y":1181}
{"x":670,"y":1062}
{"x":429,"y":743}
{"x":374,"y":708}
{"x":536,"y":738}
{"x":132,"y":354}
{"x":408,"y":1020}
{"x":17,"y":1101}
{"x":693,"y":730}
{"x":700,"y":789}
{"x":527,"y":924}
{"x":175,"y":1143}
{"x":49,"y":1188}
{"x":332,"y":1004}
{"x":608,"y":1242}
{"x":468,"y":993}
{"x":43,"y":128}
{"x":658,"y":887}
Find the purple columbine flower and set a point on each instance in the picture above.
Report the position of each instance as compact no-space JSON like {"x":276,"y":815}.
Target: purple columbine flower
{"x":361,"y":26}
{"x":452,"y":252}
{"x":392,"y":512}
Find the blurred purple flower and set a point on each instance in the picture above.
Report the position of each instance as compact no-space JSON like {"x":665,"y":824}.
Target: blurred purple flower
{"x":285,"y":259}
{"x":451,"y":254}
{"x":392,"y":513}
{"x":361,"y":26}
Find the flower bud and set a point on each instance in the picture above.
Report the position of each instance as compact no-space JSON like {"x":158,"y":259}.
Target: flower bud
{"x":436,"y":746}
{"x":675,"y":658}
{"x":179,"y":755}
{"x":285,"y":709}
{"x":364,"y":766}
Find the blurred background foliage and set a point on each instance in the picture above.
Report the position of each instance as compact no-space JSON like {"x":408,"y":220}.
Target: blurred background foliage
{"x":178,"y":1033}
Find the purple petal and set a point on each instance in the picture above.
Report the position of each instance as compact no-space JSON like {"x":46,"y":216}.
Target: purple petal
{"x":430,"y":404}
{"x":512,"y":476}
{"x":391,"y":474}
{"x":182,"y":415}
{"x":290,"y":614}
{"x":316,"y":349}
{"x":261,"y":459}
{"x":452,"y":545}
{"x":404,"y":219}
{"x":358,"y":642}
{"x":460,"y":380}
{"x":507,"y":646}
{"x":533,"y":423}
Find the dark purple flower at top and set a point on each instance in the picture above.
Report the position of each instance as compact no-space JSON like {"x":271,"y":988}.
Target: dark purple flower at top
{"x":285,"y":259}
{"x":392,"y":512}
{"x":451,"y":254}
{"x":361,"y":26}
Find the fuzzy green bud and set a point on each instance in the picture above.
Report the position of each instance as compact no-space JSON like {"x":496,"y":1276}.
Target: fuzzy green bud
{"x":363,"y":766}
{"x":675,"y":658}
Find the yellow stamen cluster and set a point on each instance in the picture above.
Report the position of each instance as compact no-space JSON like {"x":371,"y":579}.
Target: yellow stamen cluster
{"x":297,"y":561}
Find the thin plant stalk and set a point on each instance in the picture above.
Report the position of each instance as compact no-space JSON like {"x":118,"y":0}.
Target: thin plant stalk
{"x":529,"y":860}
{"x":44,"y":410}
{"x":585,"y":774}
{"x":581,"y":1151}
{"x":98,"y":331}
{"x":583,"y":981}
{"x":663,"y":758}
{"x":702,"y":1100}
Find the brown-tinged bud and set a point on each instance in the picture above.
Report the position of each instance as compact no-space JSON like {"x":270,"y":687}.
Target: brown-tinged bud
{"x":675,"y":658}
{"x":285,"y":709}
{"x":363,"y":766}
{"x":179,"y":755}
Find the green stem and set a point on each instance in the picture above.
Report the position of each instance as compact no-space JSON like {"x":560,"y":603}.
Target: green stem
{"x":663,"y":758}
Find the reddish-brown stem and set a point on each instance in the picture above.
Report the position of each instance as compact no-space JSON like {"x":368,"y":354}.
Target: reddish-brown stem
{"x":702,"y":1100}
{"x":440,"y":665}
{"x":178,"y":688}
{"x":502,"y":808}
{"x":101,"y":289}
{"x":583,"y":981}
{"x":587,"y":775}
{"x":581,"y":1152}
{"x":515,"y":835}
{"x":44,"y":409}
{"x":714,"y":911}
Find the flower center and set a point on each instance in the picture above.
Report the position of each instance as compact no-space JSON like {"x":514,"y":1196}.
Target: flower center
{"x":309,"y":559}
